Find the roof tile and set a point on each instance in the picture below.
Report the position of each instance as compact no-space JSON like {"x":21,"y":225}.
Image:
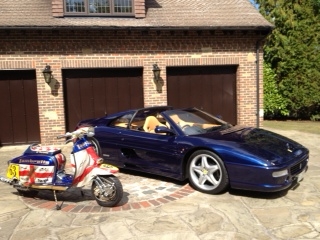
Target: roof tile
{"x":217,"y":14}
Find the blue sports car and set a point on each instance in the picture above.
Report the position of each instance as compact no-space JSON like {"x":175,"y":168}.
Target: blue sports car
{"x":192,"y":144}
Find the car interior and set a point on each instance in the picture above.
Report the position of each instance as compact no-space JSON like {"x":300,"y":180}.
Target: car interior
{"x":151,"y":123}
{"x":146,"y":124}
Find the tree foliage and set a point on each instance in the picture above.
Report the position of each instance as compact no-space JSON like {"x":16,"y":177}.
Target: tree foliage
{"x":292,"y":51}
{"x":274,"y":103}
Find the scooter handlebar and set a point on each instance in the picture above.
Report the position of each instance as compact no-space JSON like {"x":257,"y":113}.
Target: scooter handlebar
{"x":74,"y":134}
{"x":64,"y":135}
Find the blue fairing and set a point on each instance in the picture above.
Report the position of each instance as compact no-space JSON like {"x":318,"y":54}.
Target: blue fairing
{"x":42,"y":159}
{"x":35,"y":159}
{"x":81,"y":144}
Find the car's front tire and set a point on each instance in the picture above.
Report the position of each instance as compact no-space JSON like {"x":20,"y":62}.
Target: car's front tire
{"x":207,"y":172}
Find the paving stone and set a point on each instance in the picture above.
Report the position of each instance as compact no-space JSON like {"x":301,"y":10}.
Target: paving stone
{"x":161,"y":209}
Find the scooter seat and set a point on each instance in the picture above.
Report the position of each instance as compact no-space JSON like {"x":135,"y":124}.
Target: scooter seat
{"x":39,"y":149}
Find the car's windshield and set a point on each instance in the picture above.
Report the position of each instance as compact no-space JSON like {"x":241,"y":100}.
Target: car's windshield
{"x":194,"y":121}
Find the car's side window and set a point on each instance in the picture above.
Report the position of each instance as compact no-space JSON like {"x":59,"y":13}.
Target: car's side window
{"x":137,"y":124}
{"x":147,"y":121}
{"x":119,"y":122}
{"x":122,"y":121}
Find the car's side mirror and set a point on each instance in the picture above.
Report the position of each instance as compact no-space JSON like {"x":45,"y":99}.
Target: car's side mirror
{"x":163,"y":129}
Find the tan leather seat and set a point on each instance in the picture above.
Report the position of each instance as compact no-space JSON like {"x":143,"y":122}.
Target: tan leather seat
{"x":151,"y":123}
{"x":179,"y":122}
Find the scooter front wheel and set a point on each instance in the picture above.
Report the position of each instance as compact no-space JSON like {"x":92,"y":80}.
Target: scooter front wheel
{"x":111,"y":193}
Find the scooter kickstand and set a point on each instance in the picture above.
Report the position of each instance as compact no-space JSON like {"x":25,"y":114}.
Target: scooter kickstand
{"x":58,"y":207}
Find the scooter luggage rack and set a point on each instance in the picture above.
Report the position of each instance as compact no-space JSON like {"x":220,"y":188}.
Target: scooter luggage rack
{"x":39,"y":149}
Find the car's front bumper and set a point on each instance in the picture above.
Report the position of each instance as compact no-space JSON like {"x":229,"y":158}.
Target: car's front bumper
{"x":262,"y":179}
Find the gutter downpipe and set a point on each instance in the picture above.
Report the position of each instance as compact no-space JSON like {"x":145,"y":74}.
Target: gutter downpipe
{"x":258,"y":77}
{"x":258,"y":82}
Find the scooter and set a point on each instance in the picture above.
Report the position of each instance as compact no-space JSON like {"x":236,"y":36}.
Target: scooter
{"x":43,"y":168}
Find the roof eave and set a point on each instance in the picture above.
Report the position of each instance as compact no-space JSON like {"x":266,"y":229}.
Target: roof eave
{"x":212,"y":28}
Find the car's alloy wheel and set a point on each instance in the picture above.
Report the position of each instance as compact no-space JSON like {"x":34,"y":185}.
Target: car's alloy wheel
{"x":207,"y":172}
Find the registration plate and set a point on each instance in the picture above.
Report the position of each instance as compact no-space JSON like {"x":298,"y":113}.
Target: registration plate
{"x":13,"y":171}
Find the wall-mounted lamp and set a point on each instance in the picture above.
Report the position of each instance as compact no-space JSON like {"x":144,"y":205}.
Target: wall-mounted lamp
{"x":156,"y":72}
{"x":47,"y":73}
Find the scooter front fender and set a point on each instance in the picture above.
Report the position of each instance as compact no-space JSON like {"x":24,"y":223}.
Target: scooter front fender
{"x":104,"y":169}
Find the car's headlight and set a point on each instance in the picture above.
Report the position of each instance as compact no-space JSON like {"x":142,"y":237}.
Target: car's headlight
{"x":280,"y":173}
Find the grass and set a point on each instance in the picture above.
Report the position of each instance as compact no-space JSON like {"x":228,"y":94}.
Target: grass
{"x":302,"y":126}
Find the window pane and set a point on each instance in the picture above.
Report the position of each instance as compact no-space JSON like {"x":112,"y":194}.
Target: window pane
{"x":99,"y":6}
{"x":123,"y":6}
{"x":75,"y":6}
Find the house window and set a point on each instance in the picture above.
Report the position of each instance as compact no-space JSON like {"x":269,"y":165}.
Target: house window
{"x":98,"y":7}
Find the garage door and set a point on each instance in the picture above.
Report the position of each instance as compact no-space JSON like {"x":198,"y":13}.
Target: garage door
{"x":210,"y":88}
{"x":91,"y":93}
{"x":19,"y":118}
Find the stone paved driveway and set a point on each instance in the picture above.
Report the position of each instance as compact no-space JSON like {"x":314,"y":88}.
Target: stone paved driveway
{"x":293,"y":214}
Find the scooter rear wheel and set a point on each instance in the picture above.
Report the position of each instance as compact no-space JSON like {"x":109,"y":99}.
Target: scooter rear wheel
{"x":28,"y":193}
{"x":113,"y":191}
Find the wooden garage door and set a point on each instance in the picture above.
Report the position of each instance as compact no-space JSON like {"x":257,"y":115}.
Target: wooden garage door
{"x":210,"y":88}
{"x":19,"y":118}
{"x":91,"y":93}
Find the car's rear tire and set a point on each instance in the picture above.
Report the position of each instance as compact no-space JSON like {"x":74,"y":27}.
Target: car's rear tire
{"x":207,"y":173}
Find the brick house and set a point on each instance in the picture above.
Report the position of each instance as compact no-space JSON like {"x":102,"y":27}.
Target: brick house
{"x":102,"y":57}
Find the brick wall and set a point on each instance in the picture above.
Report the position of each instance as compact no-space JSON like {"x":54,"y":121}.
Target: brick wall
{"x":107,"y":48}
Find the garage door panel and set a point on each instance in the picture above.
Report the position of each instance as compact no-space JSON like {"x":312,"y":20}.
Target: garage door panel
{"x":182,"y":91}
{"x":220,"y":104}
{"x":6,"y":116}
{"x":18,"y":112}
{"x":196,"y":93}
{"x":136,"y":91}
{"x":32,"y":112}
{"x":210,"y":88}
{"x":208,"y":98}
{"x":112,"y":95}
{"x":123,"y":91}
{"x":86,"y":98}
{"x":102,"y":91}
{"x":19,"y":121}
{"x":229,"y":98}
{"x":73,"y":101}
{"x":99,"y":97}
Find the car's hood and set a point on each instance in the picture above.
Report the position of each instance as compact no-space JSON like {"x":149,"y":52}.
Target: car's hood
{"x":264,"y":144}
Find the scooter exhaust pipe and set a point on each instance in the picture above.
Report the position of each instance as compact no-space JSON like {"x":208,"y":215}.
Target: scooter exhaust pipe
{"x":6,"y":180}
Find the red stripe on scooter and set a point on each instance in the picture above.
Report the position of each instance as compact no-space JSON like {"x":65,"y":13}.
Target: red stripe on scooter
{"x":84,"y":174}
{"x":43,"y":175}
